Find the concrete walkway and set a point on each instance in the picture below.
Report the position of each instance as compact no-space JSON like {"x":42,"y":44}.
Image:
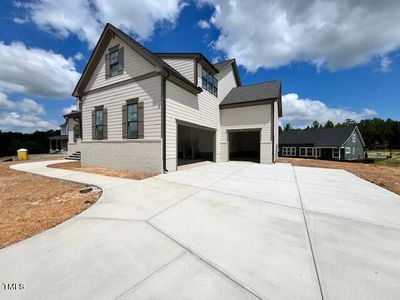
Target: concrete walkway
{"x":218,"y":231}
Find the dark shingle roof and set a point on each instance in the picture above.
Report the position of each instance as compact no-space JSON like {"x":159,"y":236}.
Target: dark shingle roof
{"x":270,"y":90}
{"x":147,"y":54}
{"x":317,"y":137}
{"x":222,"y":64}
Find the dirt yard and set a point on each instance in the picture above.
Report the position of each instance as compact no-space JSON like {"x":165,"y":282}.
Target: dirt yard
{"x":383,"y":175}
{"x":102,"y":171}
{"x":30,"y":204}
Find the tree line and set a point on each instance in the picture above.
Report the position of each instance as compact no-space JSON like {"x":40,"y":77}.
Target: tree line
{"x":377,"y":133}
{"x":36,"y":143}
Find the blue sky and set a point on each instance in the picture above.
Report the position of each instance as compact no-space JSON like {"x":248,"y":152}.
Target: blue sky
{"x":335,"y":61}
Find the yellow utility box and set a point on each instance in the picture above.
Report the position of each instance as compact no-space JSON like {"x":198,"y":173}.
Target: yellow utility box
{"x":22,"y":154}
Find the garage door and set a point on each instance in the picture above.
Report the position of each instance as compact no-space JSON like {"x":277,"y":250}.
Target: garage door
{"x":244,"y":145}
{"x":195,"y":144}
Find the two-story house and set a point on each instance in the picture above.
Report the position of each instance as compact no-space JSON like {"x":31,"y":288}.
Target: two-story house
{"x":152,"y":112}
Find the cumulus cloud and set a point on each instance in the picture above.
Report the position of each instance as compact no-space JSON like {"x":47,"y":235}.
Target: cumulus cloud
{"x":14,"y":121}
{"x":86,"y":19}
{"x":385,"y":64}
{"x":203,"y":24}
{"x":5,"y":104}
{"x":301,"y":112}
{"x":67,"y":110}
{"x":78,"y":56}
{"x":23,"y":115}
{"x":336,"y":34}
{"x":36,"y":71}
{"x":20,"y":21}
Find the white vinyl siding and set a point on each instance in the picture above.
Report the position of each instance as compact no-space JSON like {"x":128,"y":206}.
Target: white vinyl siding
{"x":202,"y":109}
{"x":226,"y":82}
{"x":134,"y":65}
{"x":247,"y":117}
{"x":148,"y":91}
{"x":184,"y":66}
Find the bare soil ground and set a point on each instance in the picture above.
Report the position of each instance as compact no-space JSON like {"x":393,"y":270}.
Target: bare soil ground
{"x":102,"y":171}
{"x":386,"y":176}
{"x":30,"y":204}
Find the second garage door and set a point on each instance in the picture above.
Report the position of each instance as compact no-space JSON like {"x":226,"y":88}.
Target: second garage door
{"x":244,"y":145}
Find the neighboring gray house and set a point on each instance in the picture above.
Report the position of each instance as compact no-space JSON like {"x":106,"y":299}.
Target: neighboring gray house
{"x":153,"y":112}
{"x":339,"y":143}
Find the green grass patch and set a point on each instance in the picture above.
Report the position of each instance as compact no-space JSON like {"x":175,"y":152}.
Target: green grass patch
{"x":394,"y":162}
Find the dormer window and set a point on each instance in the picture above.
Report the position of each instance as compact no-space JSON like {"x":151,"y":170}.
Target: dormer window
{"x":209,"y":83}
{"x":114,"y":59}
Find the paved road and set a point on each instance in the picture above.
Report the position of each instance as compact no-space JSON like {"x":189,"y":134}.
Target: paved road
{"x":218,"y":231}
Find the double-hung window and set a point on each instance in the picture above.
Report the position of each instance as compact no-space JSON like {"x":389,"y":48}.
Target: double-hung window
{"x":99,"y":119}
{"x":289,"y":151}
{"x":209,"y":83}
{"x":114,"y":63}
{"x":132,"y":120}
{"x":335,"y":153}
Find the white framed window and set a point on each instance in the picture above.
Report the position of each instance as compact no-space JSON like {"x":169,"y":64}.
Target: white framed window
{"x":354,"y":150}
{"x":289,"y":151}
{"x":353,"y":137}
{"x":348,"y":150}
{"x":318,"y":150}
{"x":309,"y":151}
{"x":335,"y":153}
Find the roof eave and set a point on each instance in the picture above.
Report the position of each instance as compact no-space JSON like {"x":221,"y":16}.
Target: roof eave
{"x":248,"y":103}
{"x":109,"y":28}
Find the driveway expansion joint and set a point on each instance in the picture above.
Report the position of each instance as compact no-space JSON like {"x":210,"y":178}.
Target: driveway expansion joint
{"x":138,"y":284}
{"x":308,"y":235}
{"x":207,"y":262}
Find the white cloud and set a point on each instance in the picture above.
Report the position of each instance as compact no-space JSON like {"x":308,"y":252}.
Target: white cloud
{"x":78,"y":56}
{"x":300,"y":112}
{"x":36,"y":71}
{"x":5,"y":104}
{"x":31,"y":107}
{"x":86,"y":19}
{"x":385,"y":64}
{"x":67,"y":110}
{"x":22,"y":115}
{"x":13,"y":121}
{"x":337,"y":34}
{"x":203,"y":24}
{"x":20,"y":21}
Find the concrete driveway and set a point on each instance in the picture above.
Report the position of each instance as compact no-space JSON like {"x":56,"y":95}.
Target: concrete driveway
{"x":218,"y":231}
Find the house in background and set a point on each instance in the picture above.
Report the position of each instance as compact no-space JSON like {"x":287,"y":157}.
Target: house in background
{"x":339,"y":143}
{"x":58,"y":143}
{"x":152,"y":112}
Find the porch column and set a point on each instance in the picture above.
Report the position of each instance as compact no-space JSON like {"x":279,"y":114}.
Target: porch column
{"x":315,"y":152}
{"x":339,"y":153}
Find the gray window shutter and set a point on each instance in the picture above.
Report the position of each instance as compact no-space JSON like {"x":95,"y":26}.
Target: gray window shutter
{"x":141,"y":120}
{"x":107,"y":60}
{"x":105,"y":124}
{"x":93,"y":125}
{"x":124,"y":121}
{"x":121,"y":60}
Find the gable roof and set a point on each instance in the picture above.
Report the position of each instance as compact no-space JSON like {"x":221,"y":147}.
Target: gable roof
{"x":195,"y":55}
{"x":152,"y":58}
{"x":319,"y":137}
{"x":223,"y":64}
{"x":270,"y":91}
